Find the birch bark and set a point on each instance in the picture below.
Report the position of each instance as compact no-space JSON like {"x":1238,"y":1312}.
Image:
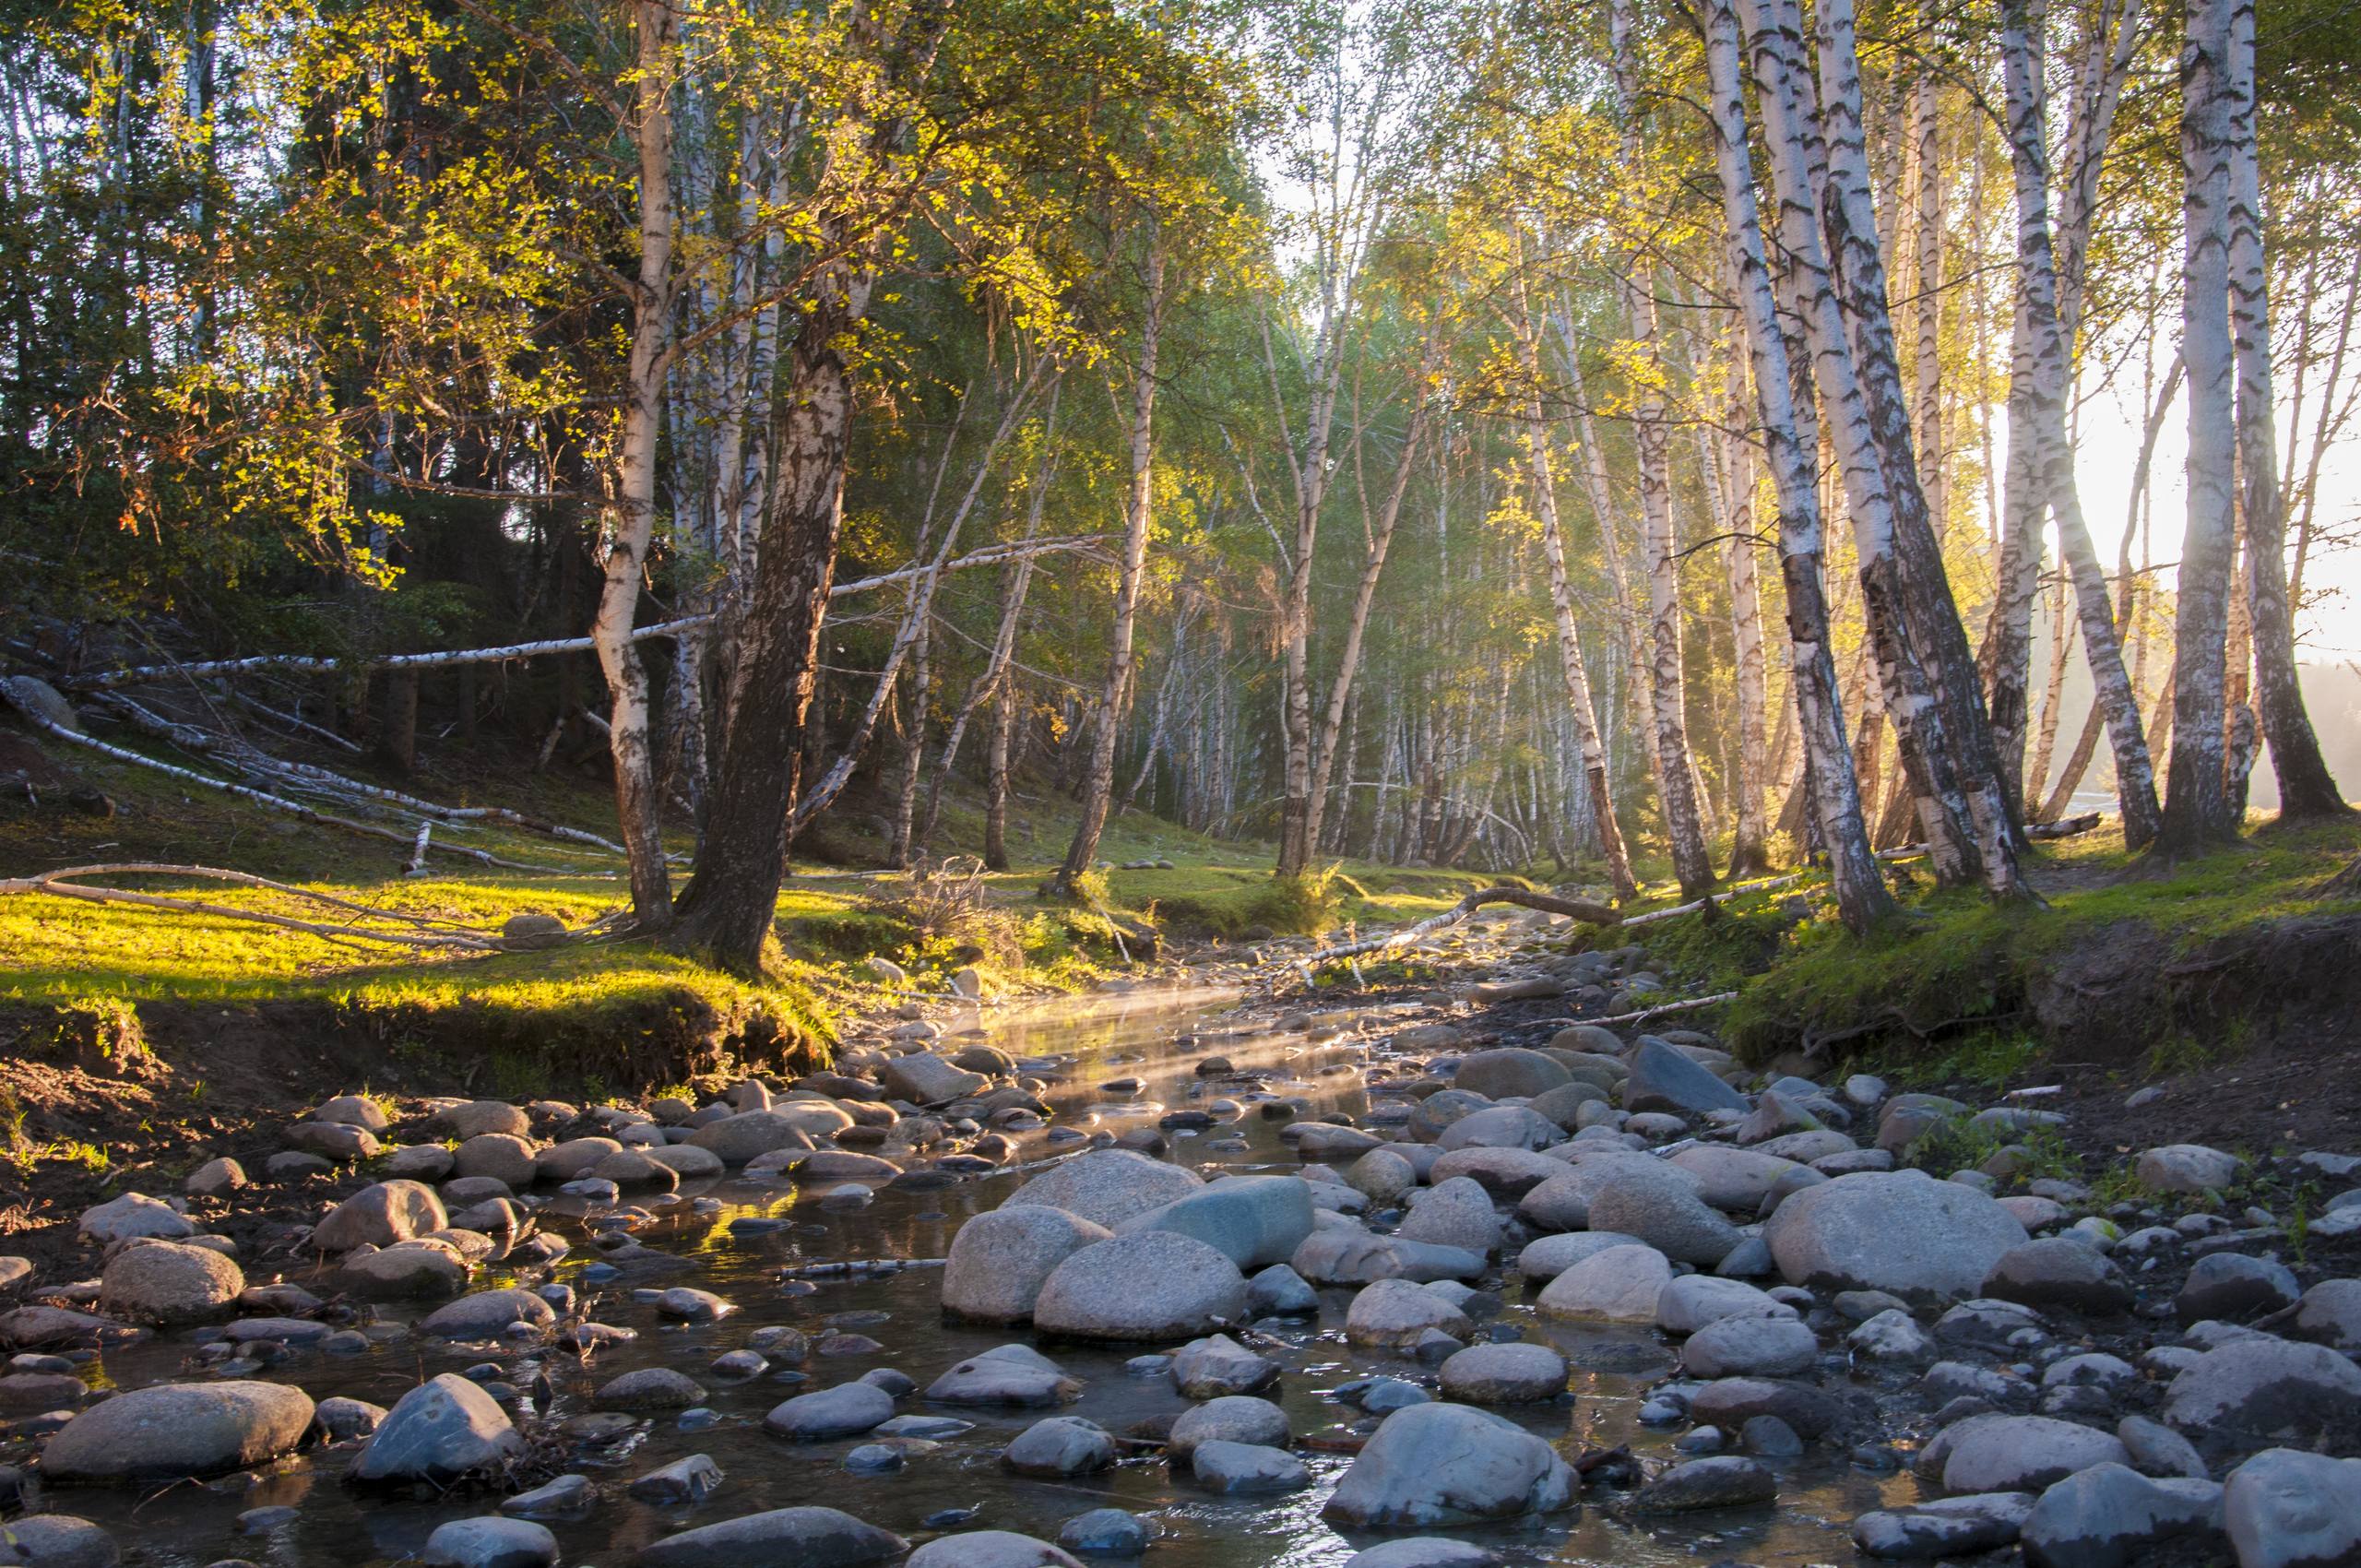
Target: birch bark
{"x":2305,"y":788}
{"x":2196,"y":803}
{"x":1861,"y":896}
{"x":638,"y":802}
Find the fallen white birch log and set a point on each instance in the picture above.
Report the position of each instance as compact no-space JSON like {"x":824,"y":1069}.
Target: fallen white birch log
{"x":316,"y":664}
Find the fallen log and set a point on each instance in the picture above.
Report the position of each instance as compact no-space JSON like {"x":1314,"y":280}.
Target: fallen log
{"x":319,"y":664}
{"x":1549,"y":904}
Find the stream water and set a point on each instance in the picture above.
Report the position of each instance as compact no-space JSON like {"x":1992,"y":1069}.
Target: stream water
{"x":1104,"y":1040}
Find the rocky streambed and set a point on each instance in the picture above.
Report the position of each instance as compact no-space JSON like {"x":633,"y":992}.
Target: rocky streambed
{"x":1444,"y":1279}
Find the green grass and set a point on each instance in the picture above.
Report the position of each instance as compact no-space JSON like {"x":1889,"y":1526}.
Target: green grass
{"x":1954,"y":965}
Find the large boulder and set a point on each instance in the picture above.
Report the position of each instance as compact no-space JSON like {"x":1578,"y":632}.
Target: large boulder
{"x":1108,"y":1186}
{"x":1001,"y":1259}
{"x":1254,"y":1220}
{"x":2285,"y":1508}
{"x":2261,"y":1390}
{"x":1438,"y":1464}
{"x":1154,"y":1285}
{"x":1900,"y":1231}
{"x":1510,"y":1074}
{"x":924,"y":1078}
{"x":169,"y":1283}
{"x":445,"y":1429}
{"x":175,"y":1429}
{"x":1663,"y":1079}
{"x":783,"y":1538}
{"x":381,"y":1216}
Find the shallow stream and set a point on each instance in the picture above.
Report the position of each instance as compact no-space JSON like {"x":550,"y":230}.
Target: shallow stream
{"x":1102,"y":1040}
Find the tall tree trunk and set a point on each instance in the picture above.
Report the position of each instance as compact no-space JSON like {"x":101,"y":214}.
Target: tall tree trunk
{"x":1561,"y":602}
{"x":2051,"y":362}
{"x":2053,"y":695}
{"x":1962,"y":839}
{"x":638,"y":803}
{"x":1932,"y":623}
{"x":1098,"y":783}
{"x":1004,"y":706}
{"x":1927,"y":366}
{"x":2306,"y":790}
{"x":1381,"y":539}
{"x":1675,"y":780}
{"x":2197,"y":811}
{"x":1782,"y":394}
{"x":1749,"y":839}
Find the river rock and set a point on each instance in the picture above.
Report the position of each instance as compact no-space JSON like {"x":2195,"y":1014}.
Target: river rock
{"x":999,"y":1260}
{"x":2232,"y":1287}
{"x":1733,"y":1180}
{"x":1383,"y":1174}
{"x":1457,"y":1213}
{"x":215,"y":1179}
{"x":2110,"y":1515}
{"x":1424,"y":1551}
{"x":174,"y":1429}
{"x":479,"y":1116}
{"x":2261,"y":1390}
{"x":1546,"y":1257}
{"x":1015,"y":1376}
{"x":1246,"y":1469}
{"x":1902,"y":1231}
{"x":2285,"y":1508}
{"x":445,"y":1428}
{"x":1509,"y":1373}
{"x":504,"y":1157}
{"x":1108,"y":1532}
{"x":649,"y":1388}
{"x":846,"y":1410}
{"x":783,"y":1538}
{"x":1661,"y":1207}
{"x":490,"y":1543}
{"x":1663,"y":1079}
{"x":1438,"y":1464}
{"x":418,"y":1270}
{"x":1750,"y":1346}
{"x":380,"y":1216}
{"x":2059,"y":1271}
{"x":334,"y":1141}
{"x":1950,"y":1526}
{"x":1505,"y":1173}
{"x":1150,"y":1286}
{"x":1502,"y":1127}
{"x":923,"y":1078}
{"x":2186,"y":1168}
{"x":134,"y":1215}
{"x":1235,"y":1417}
{"x":1348,"y":1256}
{"x":1695,"y":1300}
{"x":1510,"y":1073}
{"x":2330,"y":1315}
{"x":342,"y":1417}
{"x":747,"y":1136}
{"x":1563,"y":1203}
{"x":1394,"y":1313}
{"x":1280,"y":1291}
{"x":2024,"y":1452}
{"x":1059,"y":1446}
{"x":169,"y":1283}
{"x":1204,"y":1369}
{"x":1730,"y":1402}
{"x":1727,"y":1482}
{"x":1108,"y":1186}
{"x":986,"y":1549}
{"x":487,"y":1314}
{"x":58,"y":1540}
{"x":1254,"y":1220}
{"x":1619,"y":1284}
